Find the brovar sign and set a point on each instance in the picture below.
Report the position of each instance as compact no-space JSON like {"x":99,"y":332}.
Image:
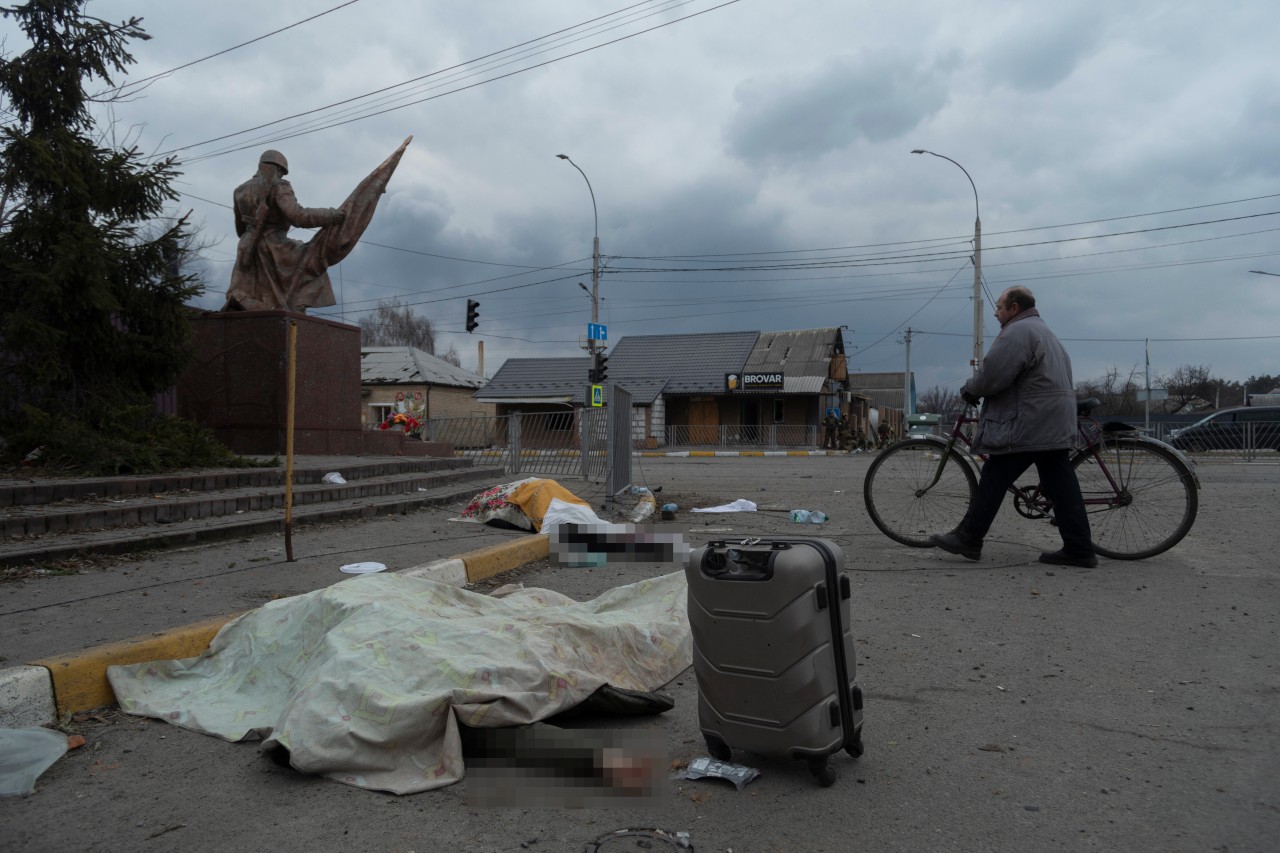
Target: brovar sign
{"x":752,"y":381}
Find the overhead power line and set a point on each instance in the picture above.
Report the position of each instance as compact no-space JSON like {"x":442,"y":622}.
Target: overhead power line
{"x":371,"y":112}
{"x":135,"y":83}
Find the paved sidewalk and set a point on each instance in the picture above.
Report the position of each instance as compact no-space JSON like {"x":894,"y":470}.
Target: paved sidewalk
{"x":1010,"y":706}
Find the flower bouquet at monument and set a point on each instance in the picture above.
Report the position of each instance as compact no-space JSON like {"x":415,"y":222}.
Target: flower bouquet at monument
{"x":404,"y":421}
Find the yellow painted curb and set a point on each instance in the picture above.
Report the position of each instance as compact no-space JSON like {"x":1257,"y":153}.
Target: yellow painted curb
{"x":797,"y":453}
{"x":487,"y":562}
{"x":751,"y":453}
{"x":80,"y":679}
{"x":702,"y":453}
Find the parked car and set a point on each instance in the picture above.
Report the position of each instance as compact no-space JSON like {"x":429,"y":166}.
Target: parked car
{"x":1229,"y":428}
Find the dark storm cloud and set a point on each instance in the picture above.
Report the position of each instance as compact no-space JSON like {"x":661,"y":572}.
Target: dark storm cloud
{"x":1039,"y":47}
{"x":873,"y":95}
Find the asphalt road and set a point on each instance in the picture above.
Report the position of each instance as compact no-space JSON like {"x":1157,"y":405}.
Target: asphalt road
{"x":1009,"y":706}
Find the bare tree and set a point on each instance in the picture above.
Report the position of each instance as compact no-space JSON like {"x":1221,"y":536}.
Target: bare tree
{"x":1188,"y":385}
{"x":183,"y":258}
{"x":452,"y":356}
{"x":393,"y":325}
{"x":940,"y":401}
{"x":1118,"y":396}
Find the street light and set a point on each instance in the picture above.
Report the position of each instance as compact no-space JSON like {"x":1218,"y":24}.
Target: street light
{"x":977,"y":260}
{"x":595,"y":245}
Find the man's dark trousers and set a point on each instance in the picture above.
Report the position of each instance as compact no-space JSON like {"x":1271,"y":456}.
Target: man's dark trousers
{"x":1057,"y":481}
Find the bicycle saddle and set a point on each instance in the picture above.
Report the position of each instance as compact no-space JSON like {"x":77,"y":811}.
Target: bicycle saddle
{"x":1087,"y":405}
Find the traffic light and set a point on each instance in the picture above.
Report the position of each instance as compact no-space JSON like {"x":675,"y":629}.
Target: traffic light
{"x":473,"y":312}
{"x":601,"y":371}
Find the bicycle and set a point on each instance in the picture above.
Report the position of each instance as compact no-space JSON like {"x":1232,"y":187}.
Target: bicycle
{"x":1141,"y":494}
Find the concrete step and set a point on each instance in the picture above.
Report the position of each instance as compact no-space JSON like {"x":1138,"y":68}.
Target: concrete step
{"x":50,"y":532}
{"x":15,"y":492}
{"x":168,"y":507}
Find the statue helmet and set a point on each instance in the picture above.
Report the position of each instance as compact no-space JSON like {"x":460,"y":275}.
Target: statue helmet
{"x":275,"y":158}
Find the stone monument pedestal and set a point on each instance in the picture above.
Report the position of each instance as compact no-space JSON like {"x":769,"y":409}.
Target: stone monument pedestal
{"x":237,"y":383}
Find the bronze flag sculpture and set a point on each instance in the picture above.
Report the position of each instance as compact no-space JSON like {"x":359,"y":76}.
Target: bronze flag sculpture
{"x":273,"y":271}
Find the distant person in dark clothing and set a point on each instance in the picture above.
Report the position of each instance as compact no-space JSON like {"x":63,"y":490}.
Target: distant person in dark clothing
{"x":829,"y":426}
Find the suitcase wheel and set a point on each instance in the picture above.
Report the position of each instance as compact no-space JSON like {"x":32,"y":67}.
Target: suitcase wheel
{"x":718,"y":749}
{"x":822,"y":771}
{"x":855,"y":749}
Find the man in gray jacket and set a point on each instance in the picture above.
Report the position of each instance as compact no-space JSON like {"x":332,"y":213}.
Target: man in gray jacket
{"x":1029,"y":418}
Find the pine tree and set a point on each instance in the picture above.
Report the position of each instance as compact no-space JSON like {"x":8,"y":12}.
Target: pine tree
{"x":92,"y":316}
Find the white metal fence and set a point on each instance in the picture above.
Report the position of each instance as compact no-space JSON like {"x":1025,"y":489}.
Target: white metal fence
{"x":551,"y":444}
{"x":762,"y":437}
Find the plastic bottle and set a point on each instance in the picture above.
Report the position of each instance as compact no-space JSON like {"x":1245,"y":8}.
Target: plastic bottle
{"x":817,"y":516}
{"x":800,"y":515}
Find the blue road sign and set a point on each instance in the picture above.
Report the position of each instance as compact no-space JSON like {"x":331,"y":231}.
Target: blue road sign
{"x":597,"y":395}
{"x":597,"y":332}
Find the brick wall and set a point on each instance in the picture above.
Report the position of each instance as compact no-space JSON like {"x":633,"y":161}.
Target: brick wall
{"x":457,"y":403}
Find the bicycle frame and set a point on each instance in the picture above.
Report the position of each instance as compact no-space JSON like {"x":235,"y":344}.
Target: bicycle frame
{"x":1091,"y":435}
{"x":1140,"y":493}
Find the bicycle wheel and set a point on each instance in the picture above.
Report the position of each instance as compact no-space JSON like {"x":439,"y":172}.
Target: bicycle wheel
{"x":1156,"y":504}
{"x":901,"y":506}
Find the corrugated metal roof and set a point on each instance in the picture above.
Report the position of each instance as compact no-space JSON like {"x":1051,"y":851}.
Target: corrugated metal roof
{"x":889,"y":398}
{"x":555,"y":379}
{"x":791,"y":385}
{"x":882,"y":389}
{"x":525,"y":378}
{"x":875,"y":380}
{"x":802,"y":352}
{"x":684,"y":364}
{"x":412,"y":366}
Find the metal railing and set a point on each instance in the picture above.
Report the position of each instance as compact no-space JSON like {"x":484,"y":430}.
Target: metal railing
{"x":762,"y":437}
{"x":550,"y":444}
{"x":1244,"y":441}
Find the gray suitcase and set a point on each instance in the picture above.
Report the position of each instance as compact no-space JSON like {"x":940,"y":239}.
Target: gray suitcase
{"x":773,"y":652}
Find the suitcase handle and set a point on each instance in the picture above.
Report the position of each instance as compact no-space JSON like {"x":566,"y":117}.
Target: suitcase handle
{"x":738,"y":564}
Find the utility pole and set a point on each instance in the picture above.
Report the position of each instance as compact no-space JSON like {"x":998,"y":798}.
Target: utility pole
{"x":1147,"y":402}
{"x":907,"y":408}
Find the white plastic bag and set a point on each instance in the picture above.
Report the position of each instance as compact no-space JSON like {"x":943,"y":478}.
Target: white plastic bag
{"x":562,"y":512}
{"x":24,"y":755}
{"x":334,"y":478}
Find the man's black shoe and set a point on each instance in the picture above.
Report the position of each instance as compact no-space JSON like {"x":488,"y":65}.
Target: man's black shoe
{"x":954,"y":544}
{"x":1062,"y":558}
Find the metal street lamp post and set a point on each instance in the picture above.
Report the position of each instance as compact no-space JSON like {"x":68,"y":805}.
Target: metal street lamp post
{"x":977,"y":260}
{"x":595,"y":244}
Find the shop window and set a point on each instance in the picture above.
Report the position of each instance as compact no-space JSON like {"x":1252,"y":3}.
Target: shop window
{"x":779,"y":410}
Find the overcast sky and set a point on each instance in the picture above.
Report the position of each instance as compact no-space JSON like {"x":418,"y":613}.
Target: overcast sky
{"x":751,"y":164}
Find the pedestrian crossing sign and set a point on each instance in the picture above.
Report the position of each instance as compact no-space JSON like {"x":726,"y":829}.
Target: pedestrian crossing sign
{"x":597,"y":395}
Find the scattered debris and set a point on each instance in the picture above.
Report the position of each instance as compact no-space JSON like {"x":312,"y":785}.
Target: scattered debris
{"x":740,"y":505}
{"x":24,"y":755}
{"x":647,"y":839}
{"x":709,"y":768}
{"x":365,"y":568}
{"x":804,"y":516}
{"x":334,"y":478}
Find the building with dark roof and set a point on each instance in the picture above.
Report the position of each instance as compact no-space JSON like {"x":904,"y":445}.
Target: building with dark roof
{"x":724,"y":387}
{"x":407,"y":379}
